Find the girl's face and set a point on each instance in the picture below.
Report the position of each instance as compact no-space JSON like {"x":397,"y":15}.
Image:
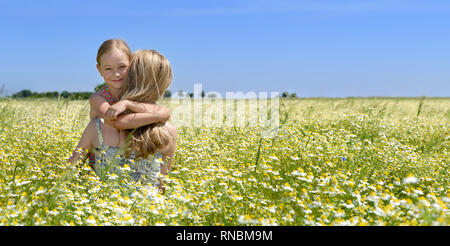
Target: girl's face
{"x":114,"y":68}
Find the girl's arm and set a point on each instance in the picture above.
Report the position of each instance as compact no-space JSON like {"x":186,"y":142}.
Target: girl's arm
{"x":102,"y":109}
{"x":85,"y":142}
{"x":133,"y":120}
{"x":99,"y":106}
{"x":142,"y":114}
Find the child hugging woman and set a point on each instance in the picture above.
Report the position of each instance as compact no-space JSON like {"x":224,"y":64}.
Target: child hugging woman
{"x":113,"y":61}
{"x":148,"y":148}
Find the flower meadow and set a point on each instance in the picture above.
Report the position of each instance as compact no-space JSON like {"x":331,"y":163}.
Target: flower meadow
{"x":343,"y":161}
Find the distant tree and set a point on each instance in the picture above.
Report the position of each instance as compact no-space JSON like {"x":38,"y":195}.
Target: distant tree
{"x":201,"y":94}
{"x":293,"y":95}
{"x":51,"y":94}
{"x":285,"y":94}
{"x":65,"y":94}
{"x":35,"y":95}
{"x":22,"y":94}
{"x":85,"y":95}
{"x":212,"y":95}
{"x":80,"y":95}
{"x":99,"y":86}
{"x":167,"y":93}
{"x":181,"y":94}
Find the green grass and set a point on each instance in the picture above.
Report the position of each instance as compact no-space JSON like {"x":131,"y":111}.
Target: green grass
{"x":332,"y":161}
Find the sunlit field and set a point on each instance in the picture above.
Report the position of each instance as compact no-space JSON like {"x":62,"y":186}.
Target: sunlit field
{"x":352,"y":161}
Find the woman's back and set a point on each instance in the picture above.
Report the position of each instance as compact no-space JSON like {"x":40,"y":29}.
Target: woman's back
{"x":109,"y":156}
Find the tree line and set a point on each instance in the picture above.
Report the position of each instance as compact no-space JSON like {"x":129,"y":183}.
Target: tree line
{"x":85,"y":95}
{"x":65,"y":94}
{"x":52,"y":94}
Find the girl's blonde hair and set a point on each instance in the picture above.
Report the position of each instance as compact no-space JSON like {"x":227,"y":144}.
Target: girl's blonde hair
{"x":110,"y":44}
{"x":149,"y":75}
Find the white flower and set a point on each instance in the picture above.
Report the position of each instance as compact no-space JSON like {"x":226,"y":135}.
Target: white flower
{"x":424,"y":202}
{"x":91,"y":220}
{"x":339,"y":214}
{"x":418,"y":192}
{"x":246,"y":219}
{"x":113,"y":176}
{"x":272,"y":209}
{"x":349,"y":205}
{"x":378,"y":211}
{"x":40,"y":191}
{"x":126,"y":168}
{"x":273,"y":158}
{"x":287,"y":187}
{"x":22,"y":183}
{"x":295,"y":173}
{"x":410,"y":180}
{"x":308,"y":179}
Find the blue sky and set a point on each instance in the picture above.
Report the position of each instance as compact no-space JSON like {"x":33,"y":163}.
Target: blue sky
{"x":313,"y":48}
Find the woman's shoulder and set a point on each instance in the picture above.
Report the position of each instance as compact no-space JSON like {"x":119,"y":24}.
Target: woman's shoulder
{"x":172,"y":129}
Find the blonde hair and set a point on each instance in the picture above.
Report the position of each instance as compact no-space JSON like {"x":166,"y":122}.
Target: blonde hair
{"x":149,"y":75}
{"x":111,"y":44}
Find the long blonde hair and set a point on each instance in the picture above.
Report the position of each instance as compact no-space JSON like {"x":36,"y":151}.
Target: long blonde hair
{"x":148,"y":78}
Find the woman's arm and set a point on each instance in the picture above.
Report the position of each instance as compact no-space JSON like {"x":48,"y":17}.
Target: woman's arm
{"x":169,"y":152}
{"x":168,"y":155}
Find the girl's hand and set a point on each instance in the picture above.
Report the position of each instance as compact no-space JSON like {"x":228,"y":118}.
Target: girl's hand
{"x":116,"y":109}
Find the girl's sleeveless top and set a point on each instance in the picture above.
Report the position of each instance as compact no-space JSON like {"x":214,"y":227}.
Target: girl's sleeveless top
{"x":109,"y":158}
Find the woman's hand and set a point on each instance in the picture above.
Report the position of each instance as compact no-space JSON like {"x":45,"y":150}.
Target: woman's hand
{"x":116,"y":109}
{"x":161,"y":188}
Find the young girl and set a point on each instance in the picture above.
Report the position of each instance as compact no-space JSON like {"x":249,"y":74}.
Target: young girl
{"x":113,"y":60}
{"x":149,"y":146}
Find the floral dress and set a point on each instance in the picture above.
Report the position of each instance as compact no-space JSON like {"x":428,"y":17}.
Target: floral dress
{"x":109,"y":158}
